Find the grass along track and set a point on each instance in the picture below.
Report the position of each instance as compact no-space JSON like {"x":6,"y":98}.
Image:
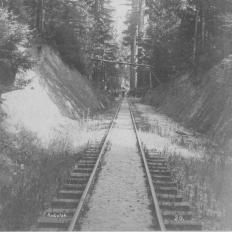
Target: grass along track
{"x":172,"y":212}
{"x":67,"y":206}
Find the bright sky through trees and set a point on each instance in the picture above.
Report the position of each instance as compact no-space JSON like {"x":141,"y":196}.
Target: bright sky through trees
{"x":120,"y":15}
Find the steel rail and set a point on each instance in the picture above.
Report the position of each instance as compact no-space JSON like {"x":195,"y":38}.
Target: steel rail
{"x":151,"y":185}
{"x":92,"y":176}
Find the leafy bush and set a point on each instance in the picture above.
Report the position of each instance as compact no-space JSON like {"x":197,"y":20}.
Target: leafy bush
{"x":203,"y":183}
{"x":14,"y":38}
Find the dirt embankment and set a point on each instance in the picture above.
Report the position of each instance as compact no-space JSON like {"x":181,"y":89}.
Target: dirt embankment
{"x":65,"y":87}
{"x":69,"y":90}
{"x":50,"y":99}
{"x":42,"y":135}
{"x":206,"y":108}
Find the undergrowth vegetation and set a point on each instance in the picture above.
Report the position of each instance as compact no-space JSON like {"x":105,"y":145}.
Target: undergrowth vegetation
{"x":202,"y":170}
{"x":30,"y":176}
{"x":202,"y":181}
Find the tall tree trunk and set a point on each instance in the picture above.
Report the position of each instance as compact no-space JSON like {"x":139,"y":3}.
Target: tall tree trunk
{"x":133,"y":76}
{"x":203,"y":25}
{"x":40,"y":16}
{"x":195,"y":41}
{"x":150,"y":79}
{"x":141,"y":14}
{"x":96,"y":7}
{"x":203,"y":30}
{"x":141,"y":17}
{"x":138,"y":7}
{"x":132,"y":68}
{"x":135,"y":59}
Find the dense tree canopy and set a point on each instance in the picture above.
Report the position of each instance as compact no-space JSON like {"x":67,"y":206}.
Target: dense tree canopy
{"x":78,"y":29}
{"x":14,"y":37}
{"x":183,"y":35}
{"x":178,"y":36}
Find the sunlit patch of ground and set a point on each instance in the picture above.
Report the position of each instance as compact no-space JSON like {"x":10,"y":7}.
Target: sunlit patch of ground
{"x":32,"y":109}
{"x":203,"y":171}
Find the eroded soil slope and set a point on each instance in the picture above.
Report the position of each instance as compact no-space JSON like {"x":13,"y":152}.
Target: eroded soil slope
{"x":51,"y":100}
{"x":205,"y":107}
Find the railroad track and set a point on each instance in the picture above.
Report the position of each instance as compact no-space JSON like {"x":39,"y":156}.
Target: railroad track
{"x":172,"y":211}
{"x":67,"y":206}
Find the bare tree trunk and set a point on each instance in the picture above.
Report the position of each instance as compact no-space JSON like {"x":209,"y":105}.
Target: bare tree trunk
{"x":141,"y":14}
{"x":203,"y":29}
{"x":96,"y":7}
{"x":135,"y":58}
{"x":141,"y":17}
{"x":132,"y":68}
{"x":40,"y":16}
{"x":203,"y":24}
{"x":195,"y":42}
{"x":150,"y":79}
{"x":133,"y":81}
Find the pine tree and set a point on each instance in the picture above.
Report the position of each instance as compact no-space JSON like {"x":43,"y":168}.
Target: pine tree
{"x":186,"y":35}
{"x":103,"y":42}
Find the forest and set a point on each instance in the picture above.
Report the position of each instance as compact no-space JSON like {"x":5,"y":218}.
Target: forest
{"x":172,"y":36}
{"x":78,"y":30}
{"x":178,"y":36}
{"x":173,"y":56}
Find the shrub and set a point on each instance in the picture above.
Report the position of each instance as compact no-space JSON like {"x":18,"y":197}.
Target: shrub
{"x":34,"y":175}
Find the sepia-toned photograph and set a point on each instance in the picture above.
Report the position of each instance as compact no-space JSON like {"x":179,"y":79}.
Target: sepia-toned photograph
{"x":115,"y":115}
